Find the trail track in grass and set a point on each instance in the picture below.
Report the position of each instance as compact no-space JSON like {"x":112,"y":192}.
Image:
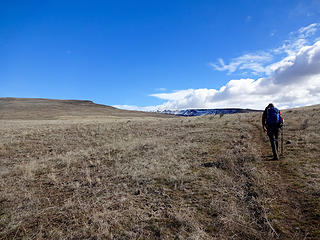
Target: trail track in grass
{"x":296,"y":206}
{"x":292,"y":214}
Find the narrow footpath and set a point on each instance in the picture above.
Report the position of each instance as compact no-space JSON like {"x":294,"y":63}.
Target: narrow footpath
{"x":291,"y":215}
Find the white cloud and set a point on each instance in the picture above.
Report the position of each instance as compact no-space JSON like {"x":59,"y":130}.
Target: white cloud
{"x":137,"y":108}
{"x":309,"y":30}
{"x":261,"y":62}
{"x":253,"y":62}
{"x":173,"y":96}
{"x":298,"y":40}
{"x":291,"y":82}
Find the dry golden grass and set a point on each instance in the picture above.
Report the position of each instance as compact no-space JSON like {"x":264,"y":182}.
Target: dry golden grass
{"x":130,"y":177}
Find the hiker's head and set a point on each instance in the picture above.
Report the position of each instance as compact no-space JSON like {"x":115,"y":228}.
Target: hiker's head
{"x":270,"y":105}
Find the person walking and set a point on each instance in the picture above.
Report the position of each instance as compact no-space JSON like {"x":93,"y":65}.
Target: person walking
{"x":272,"y":121}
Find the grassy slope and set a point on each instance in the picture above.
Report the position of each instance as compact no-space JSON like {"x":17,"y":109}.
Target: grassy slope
{"x":41,"y":109}
{"x":148,"y":178}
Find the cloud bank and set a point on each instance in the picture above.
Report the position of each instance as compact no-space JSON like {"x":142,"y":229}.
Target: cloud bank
{"x":292,"y":81}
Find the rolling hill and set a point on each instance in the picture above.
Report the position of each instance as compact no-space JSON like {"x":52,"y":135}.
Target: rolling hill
{"x":37,"y":108}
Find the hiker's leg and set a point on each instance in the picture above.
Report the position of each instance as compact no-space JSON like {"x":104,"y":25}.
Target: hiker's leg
{"x":271,"y":135}
{"x":276,"y":138}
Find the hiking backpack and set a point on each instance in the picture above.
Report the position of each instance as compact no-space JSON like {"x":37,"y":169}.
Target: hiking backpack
{"x":273,"y":117}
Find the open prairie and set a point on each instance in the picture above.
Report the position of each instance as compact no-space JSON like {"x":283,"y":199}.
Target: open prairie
{"x":76,"y":170}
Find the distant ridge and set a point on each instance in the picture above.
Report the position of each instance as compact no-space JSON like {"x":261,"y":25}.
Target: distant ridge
{"x":41,"y":108}
{"x":199,"y":112}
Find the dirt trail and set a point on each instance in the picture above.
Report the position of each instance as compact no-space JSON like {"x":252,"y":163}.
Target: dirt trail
{"x":288,"y":213}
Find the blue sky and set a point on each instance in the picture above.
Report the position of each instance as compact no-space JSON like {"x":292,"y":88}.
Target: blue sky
{"x":150,"y":55}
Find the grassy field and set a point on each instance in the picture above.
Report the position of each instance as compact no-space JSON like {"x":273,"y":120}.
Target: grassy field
{"x":128,"y":175}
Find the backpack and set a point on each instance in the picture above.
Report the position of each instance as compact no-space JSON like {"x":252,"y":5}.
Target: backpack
{"x":273,"y":117}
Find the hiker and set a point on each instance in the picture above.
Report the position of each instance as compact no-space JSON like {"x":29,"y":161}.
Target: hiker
{"x":272,"y":121}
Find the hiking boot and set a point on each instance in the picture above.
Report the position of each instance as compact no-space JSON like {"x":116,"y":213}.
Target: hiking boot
{"x":275,"y":158}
